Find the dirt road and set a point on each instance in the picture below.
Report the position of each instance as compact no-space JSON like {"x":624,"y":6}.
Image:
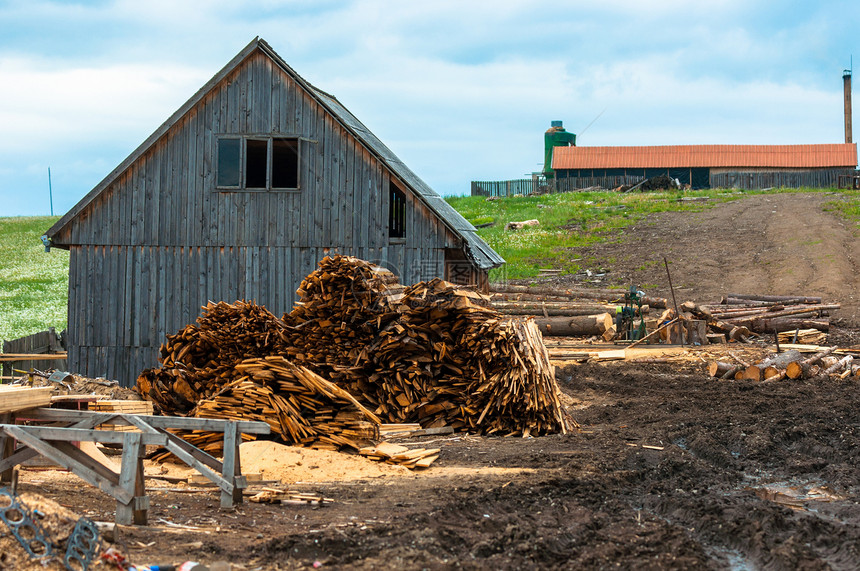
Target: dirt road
{"x":781,"y":244}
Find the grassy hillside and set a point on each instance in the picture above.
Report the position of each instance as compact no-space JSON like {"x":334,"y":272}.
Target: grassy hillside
{"x":33,"y":283}
{"x":567,"y":221}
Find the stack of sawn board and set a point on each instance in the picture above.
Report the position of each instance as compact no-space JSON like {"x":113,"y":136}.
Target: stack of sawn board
{"x":432,"y":353}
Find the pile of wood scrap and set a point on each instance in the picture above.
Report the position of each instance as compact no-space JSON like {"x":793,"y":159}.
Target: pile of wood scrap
{"x":803,"y":336}
{"x":342,"y":305}
{"x":359,"y":350}
{"x":299,"y":405}
{"x":199,"y":360}
{"x":441,"y":357}
{"x":397,"y":454}
{"x":788,"y":365}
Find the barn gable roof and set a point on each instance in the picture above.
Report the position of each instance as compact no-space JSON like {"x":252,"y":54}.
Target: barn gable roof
{"x":478,"y":250}
{"x":708,"y":156}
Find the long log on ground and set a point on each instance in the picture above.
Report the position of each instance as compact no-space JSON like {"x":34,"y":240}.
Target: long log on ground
{"x":572,"y":326}
{"x":809,"y":311}
{"x":798,"y":370}
{"x":735,"y":302}
{"x":732,"y":331}
{"x":554,"y":308}
{"x":780,"y":324}
{"x":601,"y":294}
{"x":757,"y":372}
{"x":771,"y":311}
{"x":781,"y":298}
{"x":560,"y":292}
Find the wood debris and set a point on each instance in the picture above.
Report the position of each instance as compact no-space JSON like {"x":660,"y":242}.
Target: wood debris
{"x":396,"y":454}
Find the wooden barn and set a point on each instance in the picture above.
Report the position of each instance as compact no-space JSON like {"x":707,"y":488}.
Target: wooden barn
{"x":238,"y":195}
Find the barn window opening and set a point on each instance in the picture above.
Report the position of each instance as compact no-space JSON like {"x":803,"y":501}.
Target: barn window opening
{"x":396,"y":212}
{"x":285,"y":163}
{"x":258,"y":163}
{"x":229,"y":157}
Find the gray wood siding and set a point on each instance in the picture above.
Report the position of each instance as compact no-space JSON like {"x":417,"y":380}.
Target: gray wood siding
{"x":160,"y":242}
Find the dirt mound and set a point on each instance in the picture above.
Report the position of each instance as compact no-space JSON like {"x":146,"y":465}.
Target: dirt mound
{"x":295,"y":464}
{"x":782,"y":244}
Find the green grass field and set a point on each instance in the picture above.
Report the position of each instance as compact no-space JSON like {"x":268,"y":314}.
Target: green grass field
{"x":33,"y":283}
{"x":569,"y":220}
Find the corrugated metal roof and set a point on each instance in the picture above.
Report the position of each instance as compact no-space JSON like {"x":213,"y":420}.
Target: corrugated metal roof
{"x":480,"y":252}
{"x":717,"y":156}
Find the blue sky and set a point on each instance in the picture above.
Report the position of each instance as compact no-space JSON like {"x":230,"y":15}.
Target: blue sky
{"x":460,"y":90}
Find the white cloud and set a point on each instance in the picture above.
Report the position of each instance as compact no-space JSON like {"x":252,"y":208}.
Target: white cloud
{"x":48,"y":105}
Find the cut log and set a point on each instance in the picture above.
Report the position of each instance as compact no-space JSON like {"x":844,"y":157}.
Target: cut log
{"x":840,"y":365}
{"x":575,"y":325}
{"x":757,"y":322}
{"x":720,"y":368}
{"x":777,"y":363}
{"x":554,"y":308}
{"x":772,"y":298}
{"x":732,"y":331}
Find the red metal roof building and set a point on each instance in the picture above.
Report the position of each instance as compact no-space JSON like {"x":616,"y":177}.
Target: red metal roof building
{"x":703,"y":166}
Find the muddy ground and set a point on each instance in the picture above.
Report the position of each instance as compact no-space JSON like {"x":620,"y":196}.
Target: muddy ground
{"x":738,"y":475}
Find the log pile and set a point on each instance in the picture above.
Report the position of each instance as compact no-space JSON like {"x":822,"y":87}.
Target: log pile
{"x":738,"y":317}
{"x":789,"y":365}
{"x":433,"y":353}
{"x":567,"y":312}
{"x":773,"y":313}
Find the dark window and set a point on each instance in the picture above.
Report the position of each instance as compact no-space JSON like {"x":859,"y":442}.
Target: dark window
{"x":285,"y":163}
{"x":228,"y":162}
{"x":256,"y":160}
{"x":396,"y":212}
{"x":258,"y":163}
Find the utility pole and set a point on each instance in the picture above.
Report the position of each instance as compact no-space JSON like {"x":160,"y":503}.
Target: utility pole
{"x":50,"y":192}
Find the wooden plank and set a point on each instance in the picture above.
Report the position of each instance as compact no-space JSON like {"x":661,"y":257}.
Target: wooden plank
{"x":11,"y":357}
{"x":131,"y":481}
{"x":88,"y":435}
{"x":231,"y":466}
{"x":20,"y":398}
{"x":177,"y":422}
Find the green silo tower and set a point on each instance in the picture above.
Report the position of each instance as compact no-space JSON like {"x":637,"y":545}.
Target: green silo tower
{"x":555,"y":136}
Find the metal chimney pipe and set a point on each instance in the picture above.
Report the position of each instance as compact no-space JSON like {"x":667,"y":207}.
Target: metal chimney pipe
{"x":846,"y":84}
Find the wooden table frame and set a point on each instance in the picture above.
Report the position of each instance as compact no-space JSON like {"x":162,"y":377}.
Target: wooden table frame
{"x":55,"y":443}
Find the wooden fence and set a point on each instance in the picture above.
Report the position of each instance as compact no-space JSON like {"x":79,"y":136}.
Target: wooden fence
{"x":540,"y":185}
{"x":507,"y":188}
{"x":38,"y":343}
{"x":824,"y":178}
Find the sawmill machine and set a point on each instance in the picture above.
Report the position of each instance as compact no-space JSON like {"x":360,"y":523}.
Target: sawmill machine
{"x":625,"y":317}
